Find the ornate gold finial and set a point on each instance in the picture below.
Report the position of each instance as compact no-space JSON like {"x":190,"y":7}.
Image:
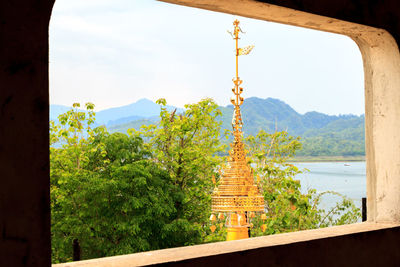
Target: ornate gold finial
{"x":237,"y":194}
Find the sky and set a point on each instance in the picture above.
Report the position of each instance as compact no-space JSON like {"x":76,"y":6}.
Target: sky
{"x":115,"y":52}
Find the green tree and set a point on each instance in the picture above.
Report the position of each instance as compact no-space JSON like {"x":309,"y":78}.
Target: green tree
{"x":288,"y":209}
{"x":187,"y":146}
{"x":151,"y":189}
{"x":106,"y":193}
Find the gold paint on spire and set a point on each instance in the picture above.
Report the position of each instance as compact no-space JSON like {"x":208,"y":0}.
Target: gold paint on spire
{"x":237,"y":193}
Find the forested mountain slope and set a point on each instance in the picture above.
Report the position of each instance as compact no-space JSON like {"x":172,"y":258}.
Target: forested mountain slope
{"x":321,"y":134}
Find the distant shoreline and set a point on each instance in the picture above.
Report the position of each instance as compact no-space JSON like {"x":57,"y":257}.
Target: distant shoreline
{"x":327,"y":159}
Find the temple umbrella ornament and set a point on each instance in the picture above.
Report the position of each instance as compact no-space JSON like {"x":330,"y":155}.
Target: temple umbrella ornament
{"x":238,"y":196}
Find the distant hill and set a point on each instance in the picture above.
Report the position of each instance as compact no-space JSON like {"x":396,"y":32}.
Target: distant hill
{"x":321,"y":134}
{"x":142,"y":109}
{"x":344,"y":136}
{"x":273,"y":114}
{"x":56,"y":110}
{"x":136,"y":124}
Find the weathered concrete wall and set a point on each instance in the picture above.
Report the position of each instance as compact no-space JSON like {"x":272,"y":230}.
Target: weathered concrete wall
{"x":24,"y":155}
{"x":382,"y":14}
{"x":24,"y":152}
{"x":375,"y":248}
{"x":350,"y":245}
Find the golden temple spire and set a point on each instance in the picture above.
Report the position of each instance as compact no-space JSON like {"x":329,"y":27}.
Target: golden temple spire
{"x":237,"y":101}
{"x":237,"y":194}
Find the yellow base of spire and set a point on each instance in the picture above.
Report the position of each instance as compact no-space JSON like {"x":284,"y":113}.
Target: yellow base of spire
{"x":236,"y":233}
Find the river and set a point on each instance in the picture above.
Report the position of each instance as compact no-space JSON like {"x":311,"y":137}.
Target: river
{"x":347,"y":178}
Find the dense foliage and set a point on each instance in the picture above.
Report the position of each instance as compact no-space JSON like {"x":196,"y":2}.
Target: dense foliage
{"x":113,"y":194}
{"x":186,"y":145}
{"x":105,"y":192}
{"x":116,"y":194}
{"x":288,"y":209}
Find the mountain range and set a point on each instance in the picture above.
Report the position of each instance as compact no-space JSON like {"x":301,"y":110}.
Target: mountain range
{"x":322,"y":134}
{"x":142,"y":109}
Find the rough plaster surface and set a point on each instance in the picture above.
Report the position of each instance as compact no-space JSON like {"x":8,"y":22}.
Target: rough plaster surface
{"x":24,"y":154}
{"x":275,"y":250}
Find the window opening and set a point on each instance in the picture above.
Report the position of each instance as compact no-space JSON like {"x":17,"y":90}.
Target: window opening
{"x":113,"y":65}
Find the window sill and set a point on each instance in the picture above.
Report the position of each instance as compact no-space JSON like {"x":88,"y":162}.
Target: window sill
{"x":204,"y":250}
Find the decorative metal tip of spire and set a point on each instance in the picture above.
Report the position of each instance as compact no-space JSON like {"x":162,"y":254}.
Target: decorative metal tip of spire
{"x":238,"y":194}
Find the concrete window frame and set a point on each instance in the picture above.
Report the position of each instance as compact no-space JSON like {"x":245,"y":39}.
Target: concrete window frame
{"x":381,"y":61}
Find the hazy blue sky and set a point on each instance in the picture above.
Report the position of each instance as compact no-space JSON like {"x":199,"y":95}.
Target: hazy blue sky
{"x":114,"y":52}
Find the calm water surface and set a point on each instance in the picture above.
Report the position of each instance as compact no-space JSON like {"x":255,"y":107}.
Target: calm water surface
{"x":347,"y":178}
